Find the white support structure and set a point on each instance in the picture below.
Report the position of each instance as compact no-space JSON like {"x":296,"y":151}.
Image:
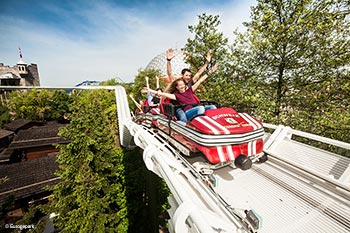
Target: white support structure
{"x":197,"y":208}
{"x":321,"y":163}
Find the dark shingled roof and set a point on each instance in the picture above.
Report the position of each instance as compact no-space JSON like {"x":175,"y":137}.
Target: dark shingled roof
{"x":28,"y":177}
{"x":5,"y":155}
{"x":18,"y":124}
{"x":4,"y":133}
{"x":38,"y":136}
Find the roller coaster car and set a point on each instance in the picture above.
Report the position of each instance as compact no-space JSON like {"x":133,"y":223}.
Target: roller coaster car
{"x":223,"y":135}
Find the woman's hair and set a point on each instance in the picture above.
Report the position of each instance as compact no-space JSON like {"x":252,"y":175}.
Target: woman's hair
{"x":171,"y":88}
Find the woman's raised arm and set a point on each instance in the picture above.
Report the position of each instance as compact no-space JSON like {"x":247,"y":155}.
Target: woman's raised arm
{"x":162,"y":94}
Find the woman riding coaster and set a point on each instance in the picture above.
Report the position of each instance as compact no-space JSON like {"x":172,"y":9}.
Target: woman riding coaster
{"x":185,"y":96}
{"x":186,"y":74}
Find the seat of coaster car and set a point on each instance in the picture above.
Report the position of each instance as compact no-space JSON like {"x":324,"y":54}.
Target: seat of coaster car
{"x":168,"y":108}
{"x":146,"y":108}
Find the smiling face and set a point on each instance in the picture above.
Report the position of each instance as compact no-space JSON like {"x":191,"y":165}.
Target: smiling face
{"x":187,"y":76}
{"x":181,"y":86}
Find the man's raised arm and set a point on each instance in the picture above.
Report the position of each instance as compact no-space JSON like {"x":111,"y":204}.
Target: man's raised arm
{"x":203,"y":68}
{"x":169,"y":55}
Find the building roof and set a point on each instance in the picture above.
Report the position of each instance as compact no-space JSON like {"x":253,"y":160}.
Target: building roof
{"x":9,"y":75}
{"x":18,"y":124}
{"x":38,"y":136}
{"x":5,"y":133}
{"x":27,"y":77}
{"x":5,"y":155}
{"x":28,"y":177}
{"x":7,"y":70}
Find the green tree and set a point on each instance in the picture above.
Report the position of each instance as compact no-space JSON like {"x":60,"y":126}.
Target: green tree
{"x":39,"y":104}
{"x":91,"y":194}
{"x":34,"y":216}
{"x":295,"y":51}
{"x":104,"y":188}
{"x":4,"y":115}
{"x":208,"y":38}
{"x":140,"y":83}
{"x":32,"y":104}
{"x":113,"y":82}
{"x":60,"y":102}
{"x":146,"y":194}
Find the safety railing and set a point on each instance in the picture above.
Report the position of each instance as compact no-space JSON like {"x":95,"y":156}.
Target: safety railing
{"x":324,"y":164}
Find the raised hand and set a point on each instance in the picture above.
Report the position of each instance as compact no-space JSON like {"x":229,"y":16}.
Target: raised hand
{"x":170,"y":54}
{"x":147,"y":83}
{"x":208,"y":57}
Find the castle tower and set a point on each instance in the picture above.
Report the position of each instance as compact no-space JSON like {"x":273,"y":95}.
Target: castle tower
{"x":22,"y":66}
{"x":29,"y":73}
{"x":21,"y":74}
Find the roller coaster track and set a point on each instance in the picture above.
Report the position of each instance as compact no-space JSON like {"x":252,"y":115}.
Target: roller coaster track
{"x":299,"y":189}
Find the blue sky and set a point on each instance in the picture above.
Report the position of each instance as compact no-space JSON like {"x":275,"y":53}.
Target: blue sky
{"x":73,"y":41}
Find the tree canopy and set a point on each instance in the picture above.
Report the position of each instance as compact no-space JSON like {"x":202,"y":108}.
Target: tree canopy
{"x":298,"y":49}
{"x":91,"y":193}
{"x":39,"y":104}
{"x":290,"y":66}
{"x":103,"y":188}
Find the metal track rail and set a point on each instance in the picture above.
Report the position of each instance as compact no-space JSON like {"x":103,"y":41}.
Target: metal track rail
{"x":309,"y":200}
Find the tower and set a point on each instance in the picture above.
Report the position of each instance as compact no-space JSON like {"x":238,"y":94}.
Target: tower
{"x":29,"y":73}
{"x":22,"y":66}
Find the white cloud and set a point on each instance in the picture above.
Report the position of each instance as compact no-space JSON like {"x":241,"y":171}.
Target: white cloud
{"x":113,"y":43}
{"x":233,"y":15}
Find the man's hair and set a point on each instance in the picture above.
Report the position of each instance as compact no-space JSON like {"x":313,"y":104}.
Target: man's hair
{"x":185,"y":70}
